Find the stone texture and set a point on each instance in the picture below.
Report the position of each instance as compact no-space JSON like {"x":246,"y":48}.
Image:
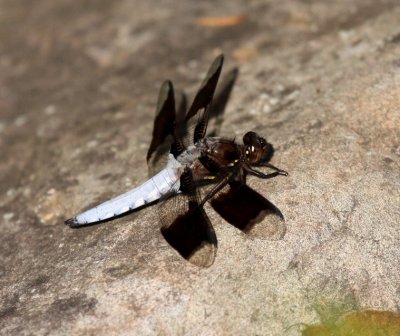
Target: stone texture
{"x":78,"y":88}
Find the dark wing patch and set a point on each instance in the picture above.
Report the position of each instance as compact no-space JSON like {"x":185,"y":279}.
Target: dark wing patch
{"x":186,"y":227}
{"x":165,"y":117}
{"x":165,"y":138}
{"x":250,"y":212}
{"x":181,"y":103}
{"x":204,"y":97}
{"x":192,"y":235}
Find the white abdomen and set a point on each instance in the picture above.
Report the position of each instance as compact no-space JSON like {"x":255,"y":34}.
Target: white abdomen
{"x":166,"y":181}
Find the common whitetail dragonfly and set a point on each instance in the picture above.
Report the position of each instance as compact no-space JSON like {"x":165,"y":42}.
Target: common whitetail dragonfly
{"x":199,"y":168}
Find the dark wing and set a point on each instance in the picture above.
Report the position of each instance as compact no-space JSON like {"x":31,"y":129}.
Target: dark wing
{"x":170,"y":125}
{"x":162,"y":128}
{"x":181,"y":103}
{"x":186,"y":227}
{"x":202,"y":101}
{"x":249,"y":211}
{"x":164,"y":138}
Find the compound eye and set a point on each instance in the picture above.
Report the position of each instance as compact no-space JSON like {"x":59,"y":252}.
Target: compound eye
{"x":262,"y":142}
{"x":250,"y":138}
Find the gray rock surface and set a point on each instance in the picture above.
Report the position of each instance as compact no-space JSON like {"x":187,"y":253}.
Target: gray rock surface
{"x":78,"y":88}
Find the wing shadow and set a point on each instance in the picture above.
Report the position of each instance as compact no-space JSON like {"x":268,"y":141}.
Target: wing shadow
{"x":221,"y":99}
{"x":187,"y":228}
{"x":250,"y":212}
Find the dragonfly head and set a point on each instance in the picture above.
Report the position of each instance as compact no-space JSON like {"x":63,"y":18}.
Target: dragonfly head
{"x":256,"y":149}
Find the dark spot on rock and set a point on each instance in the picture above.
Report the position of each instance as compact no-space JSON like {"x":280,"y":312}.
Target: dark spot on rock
{"x":388,"y":160}
{"x":292,"y":203}
{"x":7,"y":312}
{"x":38,"y":284}
{"x":106,"y":176}
{"x":2,"y":271}
{"x":315,"y":124}
{"x":8,"y":306}
{"x":69,"y":307}
{"x":264,"y":74}
{"x":40,"y":280}
{"x":119,"y":271}
{"x":395,"y":38}
{"x":293,"y":264}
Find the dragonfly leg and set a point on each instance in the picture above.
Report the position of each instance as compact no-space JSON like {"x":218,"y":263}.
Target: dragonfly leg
{"x":264,"y":176}
{"x":217,"y":188}
{"x":267,"y":164}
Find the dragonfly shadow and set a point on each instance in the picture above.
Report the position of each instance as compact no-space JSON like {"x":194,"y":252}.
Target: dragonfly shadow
{"x":193,"y":237}
{"x":250,"y":212}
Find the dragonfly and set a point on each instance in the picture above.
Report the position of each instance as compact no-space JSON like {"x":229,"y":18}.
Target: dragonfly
{"x":189,"y":168}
